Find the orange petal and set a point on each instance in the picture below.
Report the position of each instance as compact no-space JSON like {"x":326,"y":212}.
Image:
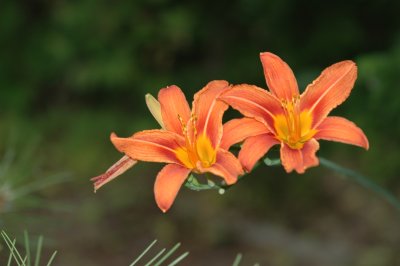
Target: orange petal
{"x":236,"y":130}
{"x":292,"y":159}
{"x":280,"y":78}
{"x":342,"y":130}
{"x":175,"y":109}
{"x":114,"y":171}
{"x":254,"y":102}
{"x":150,"y":145}
{"x":309,"y":151}
{"x":299,"y":159}
{"x":168,"y":182}
{"x":329,"y":90}
{"x":255,"y":148}
{"x":209,"y":111}
{"x":227,"y":166}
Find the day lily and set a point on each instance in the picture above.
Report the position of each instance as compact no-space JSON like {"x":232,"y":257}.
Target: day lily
{"x":189,"y":141}
{"x":295,"y":121}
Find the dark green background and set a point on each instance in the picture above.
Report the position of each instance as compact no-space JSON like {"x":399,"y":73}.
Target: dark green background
{"x":71,"y":72}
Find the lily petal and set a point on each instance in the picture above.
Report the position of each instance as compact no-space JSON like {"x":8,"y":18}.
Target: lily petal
{"x":299,"y":159}
{"x":227,"y":166}
{"x":309,"y":151}
{"x":279,"y":76}
{"x":253,"y":102}
{"x":329,"y":90}
{"x":175,"y":109}
{"x":168,"y":182}
{"x":291,"y":159}
{"x":255,"y":148}
{"x":342,"y":130}
{"x":208,"y":111}
{"x":236,"y":130}
{"x":150,"y":145}
{"x":114,"y":171}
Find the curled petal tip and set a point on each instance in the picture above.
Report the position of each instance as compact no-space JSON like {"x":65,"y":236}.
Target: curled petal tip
{"x":366,"y":142}
{"x":300,"y":170}
{"x":366,"y":145}
{"x":231,"y":181}
{"x":113,"y":135}
{"x":266,"y":53}
{"x":163,"y":207}
{"x":349,"y":62}
{"x":246,"y":169}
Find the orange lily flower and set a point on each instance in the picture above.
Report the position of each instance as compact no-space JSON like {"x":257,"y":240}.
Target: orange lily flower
{"x":190,"y":141}
{"x":295,"y":121}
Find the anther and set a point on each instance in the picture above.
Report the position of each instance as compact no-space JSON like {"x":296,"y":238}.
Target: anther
{"x":182,"y":124}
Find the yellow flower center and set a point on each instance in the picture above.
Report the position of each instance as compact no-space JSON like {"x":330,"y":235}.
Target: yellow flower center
{"x":198,"y":148}
{"x":293,"y":127}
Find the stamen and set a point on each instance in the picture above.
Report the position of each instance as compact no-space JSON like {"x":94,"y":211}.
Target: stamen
{"x":193,"y":130}
{"x":293,"y":126}
{"x":183,"y":126}
{"x":198,"y":152}
{"x":188,"y":142}
{"x":291,"y":111}
{"x":296,"y":114}
{"x":194,"y":121}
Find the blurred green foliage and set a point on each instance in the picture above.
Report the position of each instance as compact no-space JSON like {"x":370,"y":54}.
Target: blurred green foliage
{"x":100,"y":52}
{"x":28,"y":257}
{"x":73,"y":71}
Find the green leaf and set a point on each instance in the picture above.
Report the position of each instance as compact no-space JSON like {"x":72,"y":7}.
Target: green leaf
{"x":155,"y":257}
{"x":179,"y":259}
{"x":26,"y":261}
{"x":52,"y":258}
{"x":237,"y":260}
{"x":169,"y":253}
{"x":11,"y":245}
{"x":38,"y":250}
{"x":27,"y":248}
{"x":144,"y":252}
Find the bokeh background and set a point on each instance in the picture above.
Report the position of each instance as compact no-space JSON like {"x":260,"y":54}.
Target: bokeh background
{"x":71,"y":72}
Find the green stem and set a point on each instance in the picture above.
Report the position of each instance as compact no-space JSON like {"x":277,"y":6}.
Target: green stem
{"x":362,"y":180}
{"x":194,"y":184}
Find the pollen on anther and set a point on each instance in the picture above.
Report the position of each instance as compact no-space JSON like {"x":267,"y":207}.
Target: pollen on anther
{"x":182,"y":123}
